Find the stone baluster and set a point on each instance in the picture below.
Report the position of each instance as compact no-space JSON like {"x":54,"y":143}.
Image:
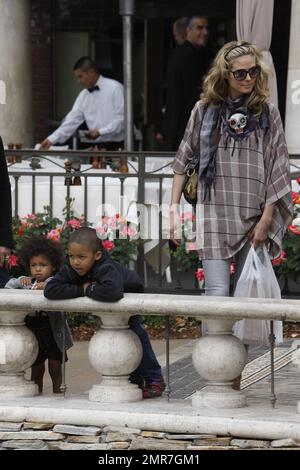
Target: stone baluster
{"x":219,"y":357}
{"x":18,"y":351}
{"x":115,"y":351}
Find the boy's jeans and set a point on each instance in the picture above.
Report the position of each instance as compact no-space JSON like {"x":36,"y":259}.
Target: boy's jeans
{"x":149,"y":367}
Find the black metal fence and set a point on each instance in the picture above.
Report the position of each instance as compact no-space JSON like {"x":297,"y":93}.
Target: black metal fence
{"x":155,"y":275}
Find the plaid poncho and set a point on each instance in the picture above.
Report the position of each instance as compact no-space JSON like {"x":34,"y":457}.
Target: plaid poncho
{"x":256,"y":173}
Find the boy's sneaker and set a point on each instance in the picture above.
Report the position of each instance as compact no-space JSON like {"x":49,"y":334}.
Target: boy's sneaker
{"x":153,"y":388}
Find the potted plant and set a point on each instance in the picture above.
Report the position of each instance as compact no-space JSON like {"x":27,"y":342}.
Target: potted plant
{"x":287,"y":265}
{"x":119,"y":237}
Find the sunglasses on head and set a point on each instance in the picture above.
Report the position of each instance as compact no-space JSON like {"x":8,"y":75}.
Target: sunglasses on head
{"x":241,"y":74}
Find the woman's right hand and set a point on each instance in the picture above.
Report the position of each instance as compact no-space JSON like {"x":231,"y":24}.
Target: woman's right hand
{"x":174,"y":224}
{"x":174,"y":213}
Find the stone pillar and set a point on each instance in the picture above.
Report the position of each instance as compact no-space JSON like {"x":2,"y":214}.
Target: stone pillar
{"x":292,"y":121}
{"x":115,"y":351}
{"x":219,"y":357}
{"x":18,"y":351}
{"x":15,"y":72}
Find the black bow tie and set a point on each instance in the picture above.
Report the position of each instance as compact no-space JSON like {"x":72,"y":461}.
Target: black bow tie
{"x":94,"y":88}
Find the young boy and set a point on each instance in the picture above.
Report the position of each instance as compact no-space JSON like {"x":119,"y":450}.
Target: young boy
{"x":90,"y":271}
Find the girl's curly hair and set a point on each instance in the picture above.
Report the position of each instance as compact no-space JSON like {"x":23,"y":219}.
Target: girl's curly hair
{"x":36,"y":246}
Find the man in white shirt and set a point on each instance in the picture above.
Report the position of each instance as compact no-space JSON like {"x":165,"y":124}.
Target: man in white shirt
{"x":100,"y":105}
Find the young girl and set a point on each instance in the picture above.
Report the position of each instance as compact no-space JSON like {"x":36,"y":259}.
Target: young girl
{"x":41,"y":258}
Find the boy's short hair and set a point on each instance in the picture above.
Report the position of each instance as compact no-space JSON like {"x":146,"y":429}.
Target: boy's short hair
{"x":86,"y":236}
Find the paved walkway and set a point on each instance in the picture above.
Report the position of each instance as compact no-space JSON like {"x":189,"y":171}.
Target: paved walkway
{"x":184,"y":380}
{"x":80,"y":376}
{"x":258,"y":420}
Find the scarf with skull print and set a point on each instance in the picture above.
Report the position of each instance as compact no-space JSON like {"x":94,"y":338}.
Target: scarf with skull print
{"x":210,"y":134}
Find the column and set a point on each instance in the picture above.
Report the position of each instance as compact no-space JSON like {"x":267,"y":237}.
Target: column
{"x":219,"y":357}
{"x":115,"y":351}
{"x":18,"y":351}
{"x":15,"y":72}
{"x":292,"y":121}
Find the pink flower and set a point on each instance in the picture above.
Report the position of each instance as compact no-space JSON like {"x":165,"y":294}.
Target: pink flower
{"x":74,"y":223}
{"x":295,"y":197}
{"x":132,"y":231}
{"x":30,"y":216}
{"x":295,"y":229}
{"x":101,"y":230}
{"x":232,"y":268}
{"x":113,"y":222}
{"x":191,"y":246}
{"x":280,"y":259}
{"x":13,"y":261}
{"x":187,"y":216}
{"x":105,"y":220}
{"x":108,"y":245}
{"x":200,"y":274}
{"x":54,"y":234}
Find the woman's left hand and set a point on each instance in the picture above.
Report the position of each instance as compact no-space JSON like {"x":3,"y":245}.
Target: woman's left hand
{"x":259,"y":234}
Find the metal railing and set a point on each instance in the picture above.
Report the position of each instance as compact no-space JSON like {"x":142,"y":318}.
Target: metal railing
{"x":137,"y":163}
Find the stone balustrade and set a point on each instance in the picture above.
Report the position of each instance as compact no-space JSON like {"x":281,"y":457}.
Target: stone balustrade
{"x":115,"y":350}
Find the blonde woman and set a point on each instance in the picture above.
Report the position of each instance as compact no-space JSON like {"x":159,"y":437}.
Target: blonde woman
{"x":244,"y":188}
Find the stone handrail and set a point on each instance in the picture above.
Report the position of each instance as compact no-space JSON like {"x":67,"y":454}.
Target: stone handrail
{"x":115,"y":350}
{"x":234,"y":308}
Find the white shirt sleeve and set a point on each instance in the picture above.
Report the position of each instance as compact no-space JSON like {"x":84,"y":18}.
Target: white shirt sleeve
{"x":70,"y":123}
{"x":117,"y":123}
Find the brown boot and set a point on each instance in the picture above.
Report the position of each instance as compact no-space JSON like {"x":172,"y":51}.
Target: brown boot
{"x":236,"y":384}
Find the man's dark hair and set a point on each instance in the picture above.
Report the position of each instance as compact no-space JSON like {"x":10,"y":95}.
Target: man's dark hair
{"x":196,"y":17}
{"x":86,"y":63}
{"x":181,"y":24}
{"x":36,"y":246}
{"x":86,"y":236}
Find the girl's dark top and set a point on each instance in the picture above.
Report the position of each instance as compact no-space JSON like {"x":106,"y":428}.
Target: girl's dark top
{"x":109,"y":281}
{"x":5,"y":198}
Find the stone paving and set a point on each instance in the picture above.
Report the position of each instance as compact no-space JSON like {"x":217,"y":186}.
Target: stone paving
{"x":238,"y":429}
{"x":184,"y":380}
{"x":41,"y":436}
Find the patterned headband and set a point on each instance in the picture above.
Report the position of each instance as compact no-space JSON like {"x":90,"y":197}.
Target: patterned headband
{"x":244,"y":48}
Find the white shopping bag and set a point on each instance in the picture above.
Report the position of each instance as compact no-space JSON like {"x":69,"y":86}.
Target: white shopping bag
{"x":258,"y":280}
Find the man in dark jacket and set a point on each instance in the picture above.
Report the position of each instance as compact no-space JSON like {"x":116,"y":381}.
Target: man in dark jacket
{"x":187,"y":67}
{"x":5,"y":217}
{"x":90,"y":271}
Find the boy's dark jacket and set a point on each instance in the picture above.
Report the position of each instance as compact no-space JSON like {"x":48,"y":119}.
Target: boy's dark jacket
{"x":109,"y":280}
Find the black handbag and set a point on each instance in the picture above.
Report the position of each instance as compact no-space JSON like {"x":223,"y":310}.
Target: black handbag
{"x":191,"y":180}
{"x":191,"y":171}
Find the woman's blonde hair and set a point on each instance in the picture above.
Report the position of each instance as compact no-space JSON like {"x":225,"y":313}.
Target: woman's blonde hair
{"x":215,"y":86}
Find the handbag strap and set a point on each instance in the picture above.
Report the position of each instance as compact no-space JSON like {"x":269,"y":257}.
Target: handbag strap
{"x":193,"y":163}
